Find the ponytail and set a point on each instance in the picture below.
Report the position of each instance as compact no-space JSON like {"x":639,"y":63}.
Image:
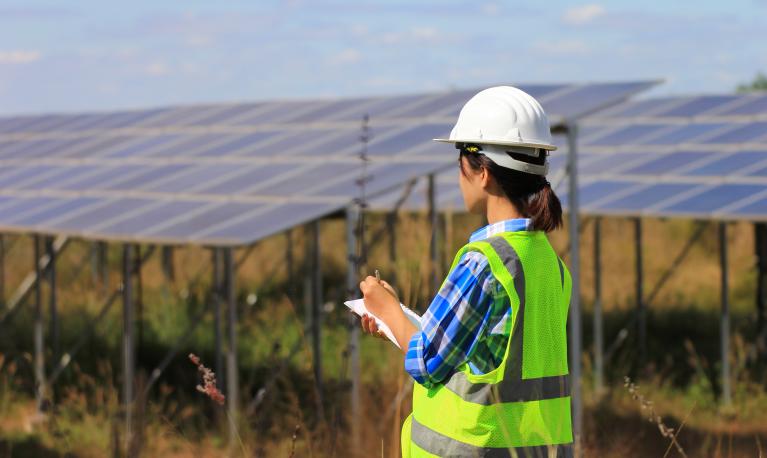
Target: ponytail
{"x":544,"y":209}
{"x":531,"y":194}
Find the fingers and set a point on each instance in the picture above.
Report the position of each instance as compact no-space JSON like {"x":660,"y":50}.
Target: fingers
{"x":367,"y":283}
{"x":369,"y":326}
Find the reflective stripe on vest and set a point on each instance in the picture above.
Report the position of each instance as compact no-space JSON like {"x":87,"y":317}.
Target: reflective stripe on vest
{"x":508,"y":411}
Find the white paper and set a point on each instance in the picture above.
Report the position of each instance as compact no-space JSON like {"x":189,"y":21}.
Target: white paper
{"x":358,"y":306}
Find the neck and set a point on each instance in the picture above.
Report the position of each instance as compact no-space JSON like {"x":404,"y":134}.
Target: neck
{"x":500,"y":209}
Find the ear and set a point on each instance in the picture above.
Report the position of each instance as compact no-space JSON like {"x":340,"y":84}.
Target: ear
{"x":484,"y":178}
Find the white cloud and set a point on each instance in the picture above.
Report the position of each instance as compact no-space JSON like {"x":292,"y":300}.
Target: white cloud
{"x":583,"y":14}
{"x":157,"y":69}
{"x":19,"y":57}
{"x":347,"y":56}
{"x":490,"y":9}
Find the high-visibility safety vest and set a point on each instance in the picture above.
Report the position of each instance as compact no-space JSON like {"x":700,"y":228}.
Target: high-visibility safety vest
{"x":521,"y":408}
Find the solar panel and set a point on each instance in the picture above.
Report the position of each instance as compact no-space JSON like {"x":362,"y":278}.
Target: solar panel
{"x":144,"y":176}
{"x":105,"y":175}
{"x":714,"y":199}
{"x":57,"y":207}
{"x":697,"y":106}
{"x":137,"y":221}
{"x":637,"y":108}
{"x":741,"y":133}
{"x":140,"y":145}
{"x":183,"y":227}
{"x":669,"y":163}
{"x":728,"y":164}
{"x":590,"y":98}
{"x":106,"y":210}
{"x":756,"y":105}
{"x":753,"y":210}
{"x":265,"y":221}
{"x":645,"y":197}
{"x":684,"y":133}
{"x":233,"y":173}
{"x":627,"y":134}
{"x":409,"y":138}
{"x":248,"y":177}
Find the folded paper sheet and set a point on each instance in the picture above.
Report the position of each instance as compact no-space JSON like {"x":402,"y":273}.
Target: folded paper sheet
{"x":358,"y":306}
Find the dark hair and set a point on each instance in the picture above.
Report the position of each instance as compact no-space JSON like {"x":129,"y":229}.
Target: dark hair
{"x":530,"y":194}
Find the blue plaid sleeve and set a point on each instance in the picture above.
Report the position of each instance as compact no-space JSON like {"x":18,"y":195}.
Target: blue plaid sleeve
{"x":453,"y":323}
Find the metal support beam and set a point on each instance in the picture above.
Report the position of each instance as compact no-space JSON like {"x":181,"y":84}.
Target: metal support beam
{"x":103,"y":252}
{"x":760,"y":238}
{"x":641,"y":309}
{"x":724,"y":334}
{"x":352,"y":275}
{"x":434,"y":228}
{"x":25,"y":288}
{"x":128,"y":343}
{"x":38,"y":332}
{"x":289,"y":266}
{"x":575,"y":306}
{"x":316,"y":315}
{"x":232,"y":382}
{"x":168,"y":267}
{"x":2,"y":271}
{"x":598,"y":324}
{"x":218,"y":321}
{"x":391,"y":227}
{"x":52,"y":298}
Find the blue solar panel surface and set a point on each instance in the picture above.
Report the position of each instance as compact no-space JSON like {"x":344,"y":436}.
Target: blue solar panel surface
{"x":695,"y":157}
{"x":234,"y":173}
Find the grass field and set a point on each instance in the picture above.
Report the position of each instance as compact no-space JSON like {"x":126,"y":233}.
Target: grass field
{"x":279,"y":396}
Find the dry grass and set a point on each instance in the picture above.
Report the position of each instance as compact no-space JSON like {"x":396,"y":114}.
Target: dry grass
{"x":286,"y":423}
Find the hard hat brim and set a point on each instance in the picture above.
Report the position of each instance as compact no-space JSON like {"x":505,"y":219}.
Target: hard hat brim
{"x":545,"y":146}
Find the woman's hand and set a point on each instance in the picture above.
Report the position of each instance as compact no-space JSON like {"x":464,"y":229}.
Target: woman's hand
{"x":380,"y":298}
{"x":369,"y":326}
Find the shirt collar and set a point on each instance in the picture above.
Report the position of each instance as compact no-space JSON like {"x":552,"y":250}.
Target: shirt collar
{"x":507,"y":225}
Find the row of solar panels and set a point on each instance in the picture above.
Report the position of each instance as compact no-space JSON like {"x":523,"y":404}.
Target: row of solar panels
{"x":230,"y":174}
{"x":561,"y":100}
{"x":665,"y":193}
{"x":698,"y":157}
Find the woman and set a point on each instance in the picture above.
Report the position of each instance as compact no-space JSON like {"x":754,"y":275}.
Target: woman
{"x":490,"y":359}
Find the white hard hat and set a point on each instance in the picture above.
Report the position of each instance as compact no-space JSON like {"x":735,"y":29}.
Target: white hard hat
{"x":504,"y":118}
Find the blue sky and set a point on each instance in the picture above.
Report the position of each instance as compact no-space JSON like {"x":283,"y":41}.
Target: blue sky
{"x":100,"y":55}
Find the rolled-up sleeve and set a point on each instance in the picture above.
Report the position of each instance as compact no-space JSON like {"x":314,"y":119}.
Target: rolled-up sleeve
{"x":454,"y":322}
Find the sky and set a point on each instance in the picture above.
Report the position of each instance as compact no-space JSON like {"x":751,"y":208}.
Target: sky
{"x":99,"y":55}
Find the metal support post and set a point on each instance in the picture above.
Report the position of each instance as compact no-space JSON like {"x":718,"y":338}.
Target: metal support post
{"x":598,"y":325}
{"x":724,"y":334}
{"x":167,"y":263}
{"x":2,"y":271}
{"x":289,"y":266}
{"x":218,"y":321}
{"x":641,"y":310}
{"x":316,"y":314}
{"x":38,"y":332}
{"x":128,"y":343}
{"x":103,"y":250}
{"x":232,"y":382}
{"x":52,"y":305}
{"x":352,"y":272}
{"x":575,"y":306}
{"x":434,"y":227}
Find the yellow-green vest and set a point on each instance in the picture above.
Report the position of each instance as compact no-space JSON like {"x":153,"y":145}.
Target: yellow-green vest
{"x":522,"y":408}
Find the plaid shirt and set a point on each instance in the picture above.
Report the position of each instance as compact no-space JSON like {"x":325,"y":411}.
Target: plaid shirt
{"x":468,"y":320}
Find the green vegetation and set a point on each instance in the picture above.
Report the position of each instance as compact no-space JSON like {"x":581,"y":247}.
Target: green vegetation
{"x":278,"y":389}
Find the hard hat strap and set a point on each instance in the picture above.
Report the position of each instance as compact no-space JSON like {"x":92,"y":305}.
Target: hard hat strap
{"x":500,"y":156}
{"x":504,"y":160}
